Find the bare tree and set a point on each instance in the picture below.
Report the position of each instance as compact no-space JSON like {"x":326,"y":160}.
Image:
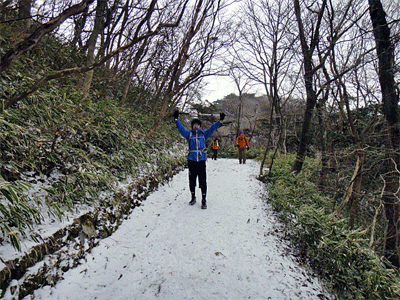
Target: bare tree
{"x":390,"y":99}
{"x":354,"y":91}
{"x":188,"y":56}
{"x":265,"y":53}
{"x":344,"y":23}
{"x":146,"y":26}
{"x":309,"y":72}
{"x":242,"y":84}
{"x":323,"y":34}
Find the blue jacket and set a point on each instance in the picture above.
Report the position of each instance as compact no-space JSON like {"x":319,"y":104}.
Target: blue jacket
{"x":197,"y":140}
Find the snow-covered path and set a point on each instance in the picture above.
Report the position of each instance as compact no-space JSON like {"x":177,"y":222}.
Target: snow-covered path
{"x":167,"y":249}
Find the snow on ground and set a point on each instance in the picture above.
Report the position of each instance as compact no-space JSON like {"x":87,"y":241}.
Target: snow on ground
{"x":167,"y":249}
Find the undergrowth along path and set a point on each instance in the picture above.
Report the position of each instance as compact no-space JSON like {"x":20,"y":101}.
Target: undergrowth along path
{"x":167,"y":249}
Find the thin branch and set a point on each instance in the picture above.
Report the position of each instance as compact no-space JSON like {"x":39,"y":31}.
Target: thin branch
{"x":38,"y":35}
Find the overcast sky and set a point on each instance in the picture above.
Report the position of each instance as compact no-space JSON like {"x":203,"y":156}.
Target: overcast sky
{"x":218,"y":87}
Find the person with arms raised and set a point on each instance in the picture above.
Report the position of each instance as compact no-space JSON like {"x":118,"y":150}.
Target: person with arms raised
{"x":197,"y":156}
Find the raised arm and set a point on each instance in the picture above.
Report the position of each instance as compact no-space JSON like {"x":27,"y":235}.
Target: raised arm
{"x":182,"y":130}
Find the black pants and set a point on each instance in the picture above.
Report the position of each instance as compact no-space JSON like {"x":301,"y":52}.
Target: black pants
{"x":215,"y":154}
{"x":197,"y":169}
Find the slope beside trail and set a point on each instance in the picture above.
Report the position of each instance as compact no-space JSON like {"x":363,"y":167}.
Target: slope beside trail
{"x":167,"y":249}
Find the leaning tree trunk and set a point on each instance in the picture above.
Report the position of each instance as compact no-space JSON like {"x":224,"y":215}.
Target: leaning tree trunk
{"x":390,"y":99}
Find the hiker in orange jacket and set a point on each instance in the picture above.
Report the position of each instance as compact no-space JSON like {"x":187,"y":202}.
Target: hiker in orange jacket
{"x":215,"y":147}
{"x":243,"y":144}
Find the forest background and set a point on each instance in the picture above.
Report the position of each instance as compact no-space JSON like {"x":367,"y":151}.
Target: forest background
{"x":88,"y":88}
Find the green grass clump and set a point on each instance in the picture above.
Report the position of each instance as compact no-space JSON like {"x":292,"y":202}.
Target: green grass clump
{"x":89,"y":145}
{"x":341,"y":257}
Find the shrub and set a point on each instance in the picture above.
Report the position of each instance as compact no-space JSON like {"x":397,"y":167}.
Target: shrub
{"x":340,"y":256}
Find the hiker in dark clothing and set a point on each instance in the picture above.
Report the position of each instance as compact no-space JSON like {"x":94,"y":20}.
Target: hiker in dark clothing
{"x":197,"y":154}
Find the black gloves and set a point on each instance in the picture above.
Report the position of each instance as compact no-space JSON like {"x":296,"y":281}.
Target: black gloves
{"x":221,"y":116}
{"x":176,"y":115}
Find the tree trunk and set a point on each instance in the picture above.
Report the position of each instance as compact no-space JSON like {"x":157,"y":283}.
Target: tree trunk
{"x":80,"y":23}
{"x":126,"y":89}
{"x":97,"y":29}
{"x":390,"y":99}
{"x":305,"y":138}
{"x":24,"y":13}
{"x":324,"y":157}
{"x":356,"y":187}
{"x":353,"y":191}
{"x":240,"y":108}
{"x":308,"y":79}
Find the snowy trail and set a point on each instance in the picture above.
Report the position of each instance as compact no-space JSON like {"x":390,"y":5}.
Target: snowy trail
{"x":167,"y":249}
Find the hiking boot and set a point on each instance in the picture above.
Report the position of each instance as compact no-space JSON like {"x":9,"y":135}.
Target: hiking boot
{"x":193,"y":201}
{"x":203,"y":204}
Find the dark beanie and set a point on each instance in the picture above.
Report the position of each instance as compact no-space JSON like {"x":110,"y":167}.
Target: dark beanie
{"x":195,"y":121}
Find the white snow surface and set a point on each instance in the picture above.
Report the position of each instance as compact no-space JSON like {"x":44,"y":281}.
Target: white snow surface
{"x":167,"y":249}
